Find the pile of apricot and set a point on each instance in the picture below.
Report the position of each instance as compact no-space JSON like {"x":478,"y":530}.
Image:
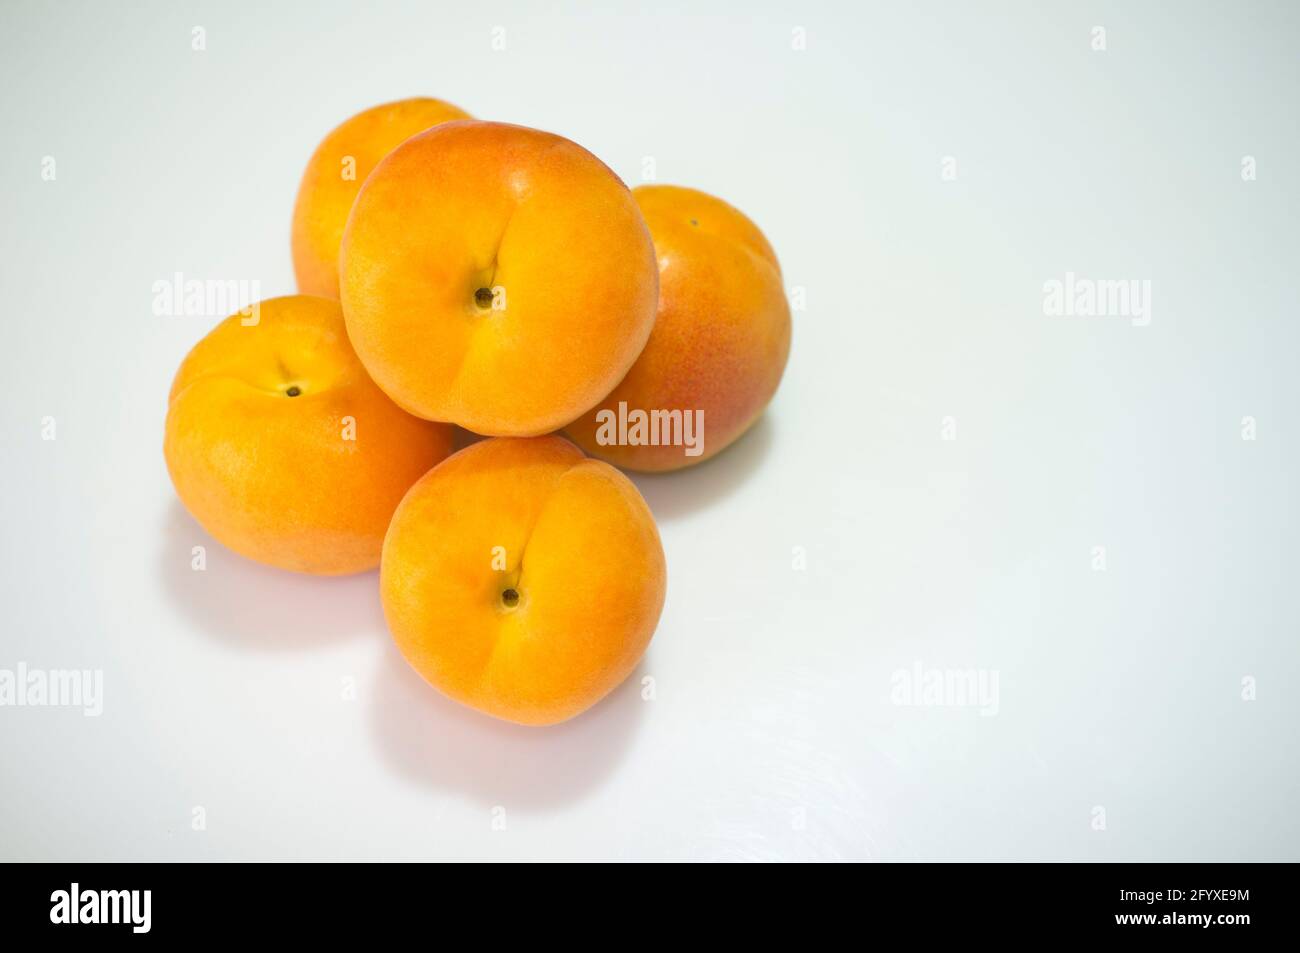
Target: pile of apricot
{"x":456,"y":272}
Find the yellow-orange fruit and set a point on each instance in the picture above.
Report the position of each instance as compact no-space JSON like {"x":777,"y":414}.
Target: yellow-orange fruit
{"x":496,"y":277}
{"x":334,"y":176}
{"x":719,"y":344}
{"x":523,"y":579}
{"x":281,"y":446}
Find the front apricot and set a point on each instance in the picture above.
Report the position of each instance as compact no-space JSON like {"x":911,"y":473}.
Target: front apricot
{"x":523,"y":579}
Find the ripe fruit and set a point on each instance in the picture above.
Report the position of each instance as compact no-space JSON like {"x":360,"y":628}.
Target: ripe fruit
{"x":496,"y":277}
{"x":720,"y":340}
{"x":283,"y":449}
{"x":523,"y":579}
{"x":334,"y":176}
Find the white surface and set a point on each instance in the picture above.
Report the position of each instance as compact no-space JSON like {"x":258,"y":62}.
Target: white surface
{"x":772,"y":734}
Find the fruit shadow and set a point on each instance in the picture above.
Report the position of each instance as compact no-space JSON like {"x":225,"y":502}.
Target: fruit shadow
{"x":682,"y":492}
{"x":434,"y":741}
{"x":250,"y":606}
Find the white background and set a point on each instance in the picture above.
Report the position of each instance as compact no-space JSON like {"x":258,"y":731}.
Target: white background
{"x":772,"y":734}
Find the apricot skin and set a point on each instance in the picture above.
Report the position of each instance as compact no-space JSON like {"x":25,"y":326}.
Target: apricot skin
{"x":497,"y":277}
{"x":335,"y":174}
{"x":523,"y":579}
{"x":305,"y":481}
{"x":722,"y":332}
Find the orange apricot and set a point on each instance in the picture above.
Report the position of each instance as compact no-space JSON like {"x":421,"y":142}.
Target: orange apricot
{"x":281,"y":446}
{"x":496,"y":277}
{"x":334,"y":176}
{"x":719,"y":345}
{"x":523,"y":579}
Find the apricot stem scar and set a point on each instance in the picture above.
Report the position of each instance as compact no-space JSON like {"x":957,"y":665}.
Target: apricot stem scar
{"x":510,"y":598}
{"x":483,"y":298}
{"x":293,"y":391}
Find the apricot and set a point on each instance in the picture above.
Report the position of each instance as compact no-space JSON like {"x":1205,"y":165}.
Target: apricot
{"x":334,"y":176}
{"x":719,"y":345}
{"x":281,"y":446}
{"x":496,"y":277}
{"x":523,"y":579}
